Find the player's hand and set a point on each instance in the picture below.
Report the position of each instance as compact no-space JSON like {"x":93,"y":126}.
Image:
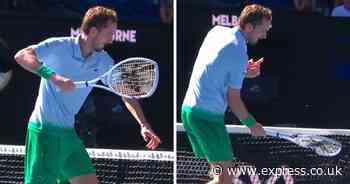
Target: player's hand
{"x":63,"y":83}
{"x":257,"y":130}
{"x":149,"y":136}
{"x":253,"y":68}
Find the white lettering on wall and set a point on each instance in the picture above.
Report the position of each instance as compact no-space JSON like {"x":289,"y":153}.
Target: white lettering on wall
{"x":119,"y":35}
{"x":224,"y":20}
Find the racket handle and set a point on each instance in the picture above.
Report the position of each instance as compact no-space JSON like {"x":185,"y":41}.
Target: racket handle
{"x":81,"y":84}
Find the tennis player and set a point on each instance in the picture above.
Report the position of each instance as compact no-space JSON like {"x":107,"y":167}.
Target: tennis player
{"x":54,"y":153}
{"x":220,"y":68}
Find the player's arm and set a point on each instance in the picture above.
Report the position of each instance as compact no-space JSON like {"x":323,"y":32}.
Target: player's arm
{"x":239,"y":109}
{"x":29,"y":61}
{"x":146,"y":131}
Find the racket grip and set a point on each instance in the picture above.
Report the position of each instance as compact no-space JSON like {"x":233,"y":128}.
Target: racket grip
{"x":81,"y":84}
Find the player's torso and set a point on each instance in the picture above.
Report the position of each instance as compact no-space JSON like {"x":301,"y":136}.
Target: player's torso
{"x":66,"y":60}
{"x":216,"y":59}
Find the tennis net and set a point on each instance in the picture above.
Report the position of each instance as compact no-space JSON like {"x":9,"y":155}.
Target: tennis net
{"x":269,"y":160}
{"x":113,"y":166}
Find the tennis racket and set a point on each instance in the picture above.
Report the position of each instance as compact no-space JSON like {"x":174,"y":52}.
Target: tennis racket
{"x":135,"y":77}
{"x":322,"y":146}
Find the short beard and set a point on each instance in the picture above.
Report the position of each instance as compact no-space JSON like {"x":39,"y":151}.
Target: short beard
{"x":98,"y":49}
{"x":252,"y":43}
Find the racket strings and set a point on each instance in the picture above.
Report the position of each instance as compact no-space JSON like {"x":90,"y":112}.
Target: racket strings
{"x":328,"y":147}
{"x":321,"y":146}
{"x":134,"y":78}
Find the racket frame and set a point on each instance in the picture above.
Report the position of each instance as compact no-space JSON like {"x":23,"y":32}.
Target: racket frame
{"x":108,"y":75}
{"x":293,"y":138}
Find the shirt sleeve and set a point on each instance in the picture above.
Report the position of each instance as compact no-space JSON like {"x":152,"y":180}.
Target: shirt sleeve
{"x":333,"y":14}
{"x":336,"y":12}
{"x":235,"y":62}
{"x":45,"y":48}
{"x":236,"y":75}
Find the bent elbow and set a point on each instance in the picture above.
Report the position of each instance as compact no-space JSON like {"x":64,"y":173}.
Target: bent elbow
{"x":19,"y":56}
{"x":23,"y":55}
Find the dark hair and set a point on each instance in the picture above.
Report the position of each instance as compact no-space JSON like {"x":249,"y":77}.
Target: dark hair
{"x":98,"y":17}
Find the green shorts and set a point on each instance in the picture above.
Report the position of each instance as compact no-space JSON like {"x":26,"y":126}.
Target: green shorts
{"x":207,"y":135}
{"x":54,"y":155}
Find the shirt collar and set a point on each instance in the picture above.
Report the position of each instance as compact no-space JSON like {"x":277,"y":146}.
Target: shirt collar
{"x":240,"y":36}
{"x":77,"y":51}
{"x":76,"y":48}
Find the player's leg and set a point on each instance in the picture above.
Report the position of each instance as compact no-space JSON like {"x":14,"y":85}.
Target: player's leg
{"x":78,"y":167}
{"x":186,"y":120}
{"x":42,"y":158}
{"x":209,"y":138}
{"x":85,"y":179}
{"x":224,"y":177}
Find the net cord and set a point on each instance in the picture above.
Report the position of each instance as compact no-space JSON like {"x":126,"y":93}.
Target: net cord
{"x":104,"y":153}
{"x":240,"y":129}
